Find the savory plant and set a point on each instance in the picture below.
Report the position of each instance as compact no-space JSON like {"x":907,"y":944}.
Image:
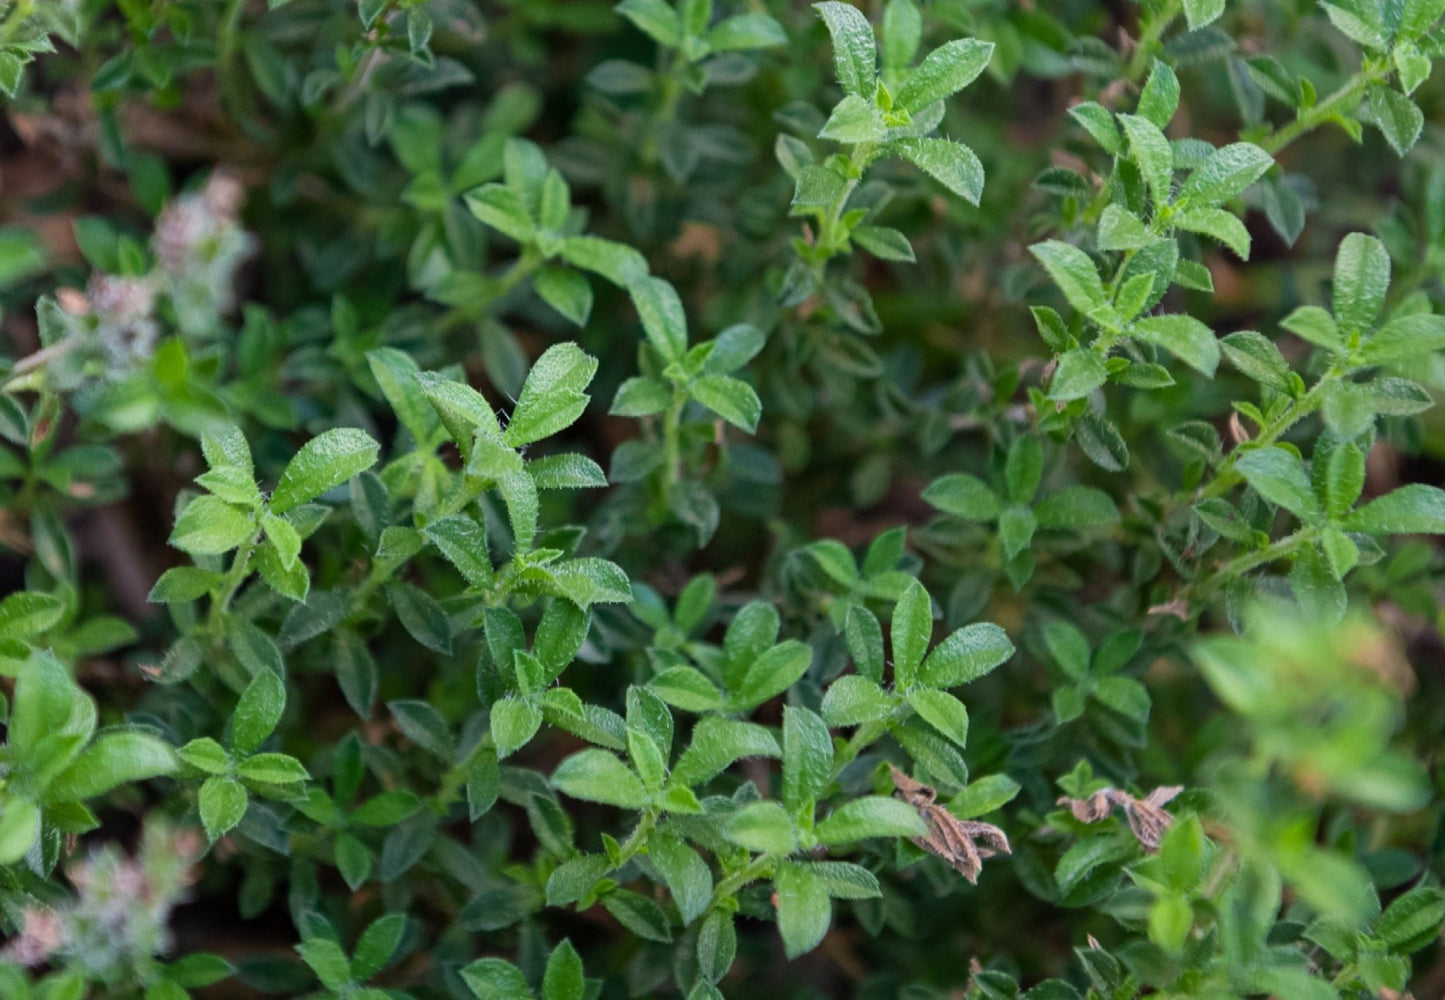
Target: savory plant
{"x":475,"y":525}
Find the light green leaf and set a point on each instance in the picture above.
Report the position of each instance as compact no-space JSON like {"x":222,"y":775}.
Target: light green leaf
{"x":870,"y":816}
{"x":209,"y":526}
{"x":855,"y":53}
{"x":952,"y":164}
{"x":966,"y":655}
{"x":598,"y":776}
{"x":763,"y":827}
{"x":944,"y":72}
{"x":1413,"y":509}
{"x":1185,"y":337}
{"x":1224,"y":174}
{"x":1362,"y":277}
{"x":1278,"y":475}
{"x":804,"y":911}
{"x":1074,"y":273}
{"x":327,"y":460}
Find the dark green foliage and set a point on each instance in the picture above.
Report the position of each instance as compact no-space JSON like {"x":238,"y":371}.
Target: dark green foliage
{"x":881,"y":499}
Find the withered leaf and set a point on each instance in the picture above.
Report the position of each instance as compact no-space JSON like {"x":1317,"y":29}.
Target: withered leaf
{"x":962,"y":843}
{"x":1146,"y":817}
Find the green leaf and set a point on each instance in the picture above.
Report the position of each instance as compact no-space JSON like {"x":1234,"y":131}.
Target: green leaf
{"x":1405,"y":339}
{"x":1100,"y":123}
{"x":687,"y":876}
{"x":209,"y":526}
{"x":1362,"y":277}
{"x":1315,"y":325}
{"x":639,"y":915}
{"x":744,"y":32}
{"x":851,"y":700}
{"x":495,"y":978}
{"x":864,"y":638}
{"x":598,"y":776}
{"x":807,"y":758}
{"x":115,"y":758}
{"x":258,"y":711}
{"x":1160,"y":97}
{"x":804,"y":911}
{"x":327,"y":460}
{"x":911,"y":632}
{"x":19,"y":829}
{"x":28,"y":613}
{"x":464,"y":544}
{"x":1412,"y":921}
{"x":902,"y":34}
{"x":616,"y":262}
{"x":565,"y":291}
{"x":423,"y":618}
{"x":1151,"y":151}
{"x":716,"y":743}
{"x":884,"y":243}
{"x":730,"y":398}
{"x":552,"y":397}
{"x":963,"y":496}
{"x":1185,"y":337}
{"x":870,"y":816}
{"x":376,"y":946}
{"x":1076,"y":507}
{"x":424,"y":726}
{"x":662,"y":317}
{"x":328,"y":961}
{"x":205,"y":754}
{"x":1360,"y":21}
{"x":1080,"y":371}
{"x":943,"y":712}
{"x":1201,"y":12}
{"x":1072,"y":270}
{"x":774,"y":672}
{"x":854,"y":120}
{"x":563,"y":978}
{"x":1413,"y":509}
{"x":655,"y":19}
{"x":952,"y":164}
{"x":944,"y":72}
{"x":966,"y":655}
{"x":1224,"y":175}
{"x":763,"y":827}
{"x":1217,"y":224}
{"x":396,"y":373}
{"x":514,"y":723}
{"x":1315,"y":586}
{"x":1258,"y":358}
{"x":222,"y":804}
{"x":1398,"y":118}
{"x":1121,"y":229}
{"x":272,"y":769}
{"x":386,"y":808}
{"x":983,"y":796}
{"x":1277,"y":475}
{"x":1339,"y":476}
{"x":855,"y":55}
{"x":1023,"y":469}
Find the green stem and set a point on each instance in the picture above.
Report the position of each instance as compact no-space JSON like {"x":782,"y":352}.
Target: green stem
{"x":750,"y":872}
{"x":1228,"y":476}
{"x":1340,"y":102}
{"x":830,"y":240}
{"x":672,"y":440}
{"x":1149,"y":39}
{"x":456,"y":776}
{"x":235,"y":577}
{"x":635,"y":841}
